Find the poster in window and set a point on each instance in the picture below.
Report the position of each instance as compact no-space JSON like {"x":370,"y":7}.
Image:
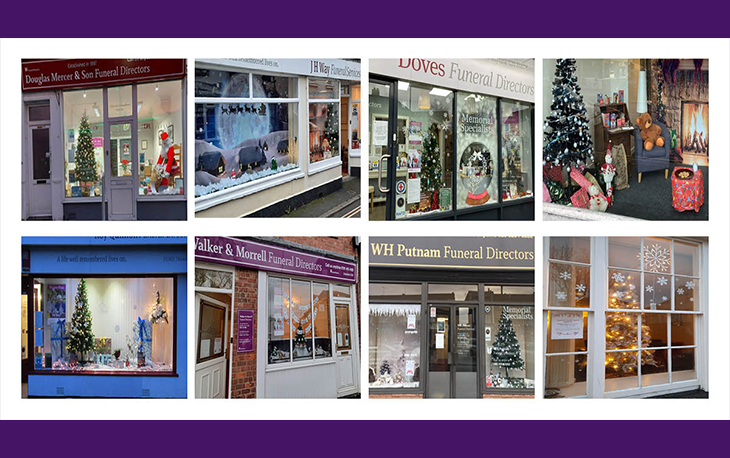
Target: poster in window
{"x":56,"y":301}
{"x":218,"y":345}
{"x":414,"y":156}
{"x":411,"y":325}
{"x":440,"y":341}
{"x":415,"y":133}
{"x":414,"y":190}
{"x":380,"y":133}
{"x":566,"y":325}
{"x":410,"y":367}
{"x":278,"y":325}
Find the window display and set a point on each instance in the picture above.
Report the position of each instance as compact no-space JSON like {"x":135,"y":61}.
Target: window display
{"x":102,"y":325}
{"x":84,"y":139}
{"x":324,"y":120}
{"x":516,"y":121}
{"x":395,"y":345}
{"x":476,"y":144}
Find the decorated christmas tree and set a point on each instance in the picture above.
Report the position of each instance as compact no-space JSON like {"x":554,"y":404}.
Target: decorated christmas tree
{"x":85,"y":161}
{"x":332,"y":130}
{"x":80,"y":337}
{"x":567,"y":140}
{"x":506,"y":350}
{"x":299,"y":341}
{"x":385,"y":367}
{"x":431,"y":174}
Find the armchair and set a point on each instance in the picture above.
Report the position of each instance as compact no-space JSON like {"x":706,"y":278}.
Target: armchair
{"x":657,"y":158}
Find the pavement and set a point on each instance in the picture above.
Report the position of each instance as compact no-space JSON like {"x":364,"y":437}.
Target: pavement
{"x":344,"y":203}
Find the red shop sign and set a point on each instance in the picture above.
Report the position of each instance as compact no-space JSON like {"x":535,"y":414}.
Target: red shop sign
{"x":44,"y":75}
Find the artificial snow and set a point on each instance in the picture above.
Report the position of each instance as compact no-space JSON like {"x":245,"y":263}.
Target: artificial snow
{"x":225,"y":183}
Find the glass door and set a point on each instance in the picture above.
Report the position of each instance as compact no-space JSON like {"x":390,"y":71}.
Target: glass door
{"x":121,"y":166}
{"x":452,"y":371}
{"x":382,"y":146}
{"x":39,"y":118}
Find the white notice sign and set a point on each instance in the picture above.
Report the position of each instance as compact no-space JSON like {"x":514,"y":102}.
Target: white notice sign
{"x":380,"y":133}
{"x":411,"y":322}
{"x":414,"y":190}
{"x":217,"y":345}
{"x":566,"y":325}
{"x":410,"y":367}
{"x":440,"y":341}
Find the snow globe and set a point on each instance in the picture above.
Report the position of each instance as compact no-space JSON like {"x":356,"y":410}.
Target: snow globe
{"x":475,"y":172}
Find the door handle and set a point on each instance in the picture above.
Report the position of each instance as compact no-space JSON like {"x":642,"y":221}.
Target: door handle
{"x":380,"y":173}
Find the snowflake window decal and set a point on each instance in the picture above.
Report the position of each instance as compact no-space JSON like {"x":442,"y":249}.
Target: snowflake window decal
{"x":618,"y":277}
{"x":662,"y":281}
{"x":690,"y":284}
{"x":565,"y":275}
{"x":656,"y":258}
{"x":665,"y":298}
{"x":619,"y":294}
{"x":680,"y":291}
{"x":580,"y":288}
{"x":632,"y":287}
{"x":649,"y":289}
{"x":561,"y":295}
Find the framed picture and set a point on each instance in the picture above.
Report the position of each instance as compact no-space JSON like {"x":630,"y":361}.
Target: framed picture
{"x":144,"y":144}
{"x":171,"y":132}
{"x":159,"y":136}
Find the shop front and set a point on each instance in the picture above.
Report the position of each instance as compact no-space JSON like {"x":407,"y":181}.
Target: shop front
{"x":104,"y":317}
{"x":104,"y":139}
{"x":273,"y":134}
{"x":451,"y":317}
{"x":625,"y":317}
{"x":277,"y":317}
{"x":451,"y":139}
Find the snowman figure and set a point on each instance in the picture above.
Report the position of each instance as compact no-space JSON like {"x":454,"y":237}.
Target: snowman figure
{"x":596,"y":202}
{"x":608,"y":171}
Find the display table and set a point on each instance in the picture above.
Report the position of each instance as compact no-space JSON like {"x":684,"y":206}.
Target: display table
{"x":688,"y":189}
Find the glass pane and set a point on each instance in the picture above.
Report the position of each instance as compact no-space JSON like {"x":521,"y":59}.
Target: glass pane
{"x":132,"y":323}
{"x":622,"y":370}
{"x":657,"y":292}
{"x":324,"y":131}
{"x":279,"y":330}
{"x":569,"y":285}
{"x":340,"y":291}
{"x":120,"y":101}
{"x":449,"y":293}
{"x":476,"y":149}
{"x":569,"y":334}
{"x":654,"y":367}
{"x":439,"y":352}
{"x":624,"y":289}
{"x":218,"y":83}
{"x":209,"y":278}
{"x":395,"y":345}
{"x":84,"y":138}
{"x":120,"y":150}
{"x":657,"y":255}
{"x":41,"y":154}
{"x":283,"y":87}
{"x":565,"y":376}
{"x":301,"y":320}
{"x":342,"y":321}
{"x":211,"y":332}
{"x":509,"y":294}
{"x":622,"y":330}
{"x":321,"y":306}
{"x":686,"y":259}
{"x":686,"y":294}
{"x":39,"y":113}
{"x":683,"y":330}
{"x":624,"y":252}
{"x":654,"y":330}
{"x":392,"y":291}
{"x":576,"y":249}
{"x":355,"y":138}
{"x":324,"y":89}
{"x":516,"y":150}
{"x":379,"y":104}
{"x":424,"y":165}
{"x":510,"y":347}
{"x":161,"y":164}
{"x":683,"y":364}
{"x":239,"y":143}
{"x":465,"y":355}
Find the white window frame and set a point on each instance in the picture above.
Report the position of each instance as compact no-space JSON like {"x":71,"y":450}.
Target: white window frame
{"x":252,"y":187}
{"x":335,"y":161}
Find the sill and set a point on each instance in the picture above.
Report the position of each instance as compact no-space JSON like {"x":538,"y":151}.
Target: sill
{"x":107,"y":373}
{"x":161,"y":197}
{"x":82,"y":200}
{"x":246,"y":189}
{"x":354,"y":153}
{"x":299,"y":364}
{"x":321,"y":166}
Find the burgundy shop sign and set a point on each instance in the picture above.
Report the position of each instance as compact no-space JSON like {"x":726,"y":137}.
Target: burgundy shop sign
{"x":53,"y":74}
{"x":245,"y":331}
{"x":247,"y":253}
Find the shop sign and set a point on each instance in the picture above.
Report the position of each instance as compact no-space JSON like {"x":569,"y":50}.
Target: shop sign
{"x":483,"y":76}
{"x":54,"y":74}
{"x":255,"y":255}
{"x":324,"y":68}
{"x":453,"y":252}
{"x":245,"y":331}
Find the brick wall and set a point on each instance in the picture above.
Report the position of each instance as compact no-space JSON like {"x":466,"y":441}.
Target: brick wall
{"x":243,"y":381}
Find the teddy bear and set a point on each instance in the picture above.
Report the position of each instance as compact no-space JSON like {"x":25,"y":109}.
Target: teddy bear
{"x":597,"y":202}
{"x":650,"y":132}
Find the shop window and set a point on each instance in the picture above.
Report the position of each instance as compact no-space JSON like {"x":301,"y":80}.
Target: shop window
{"x":299,"y":321}
{"x":106,"y":325}
{"x":160,"y":138}
{"x":211,"y":332}
{"x":340,"y":291}
{"x":217,"y":279}
{"x":395,"y":292}
{"x":450,"y":293}
{"x":342,"y":320}
{"x":119,"y":101}
{"x":476,"y":148}
{"x":83,"y":120}
{"x":395,"y":352}
{"x":516,"y":119}
{"x":425,"y":149}
{"x":324,"y":119}
{"x":275,"y":87}
{"x":509,"y":333}
{"x":220,"y":83}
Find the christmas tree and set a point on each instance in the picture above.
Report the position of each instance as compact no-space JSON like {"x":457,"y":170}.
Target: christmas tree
{"x":332,"y":129}
{"x":506,"y":350}
{"x":567,"y":137}
{"x":85,"y":160}
{"x":80,"y":337}
{"x":299,"y":340}
{"x":431,"y":163}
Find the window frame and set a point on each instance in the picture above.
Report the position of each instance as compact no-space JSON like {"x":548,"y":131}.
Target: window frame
{"x":325,"y":164}
{"x":173,"y":373}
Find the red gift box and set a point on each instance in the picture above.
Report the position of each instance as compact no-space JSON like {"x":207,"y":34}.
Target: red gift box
{"x":688,"y":194}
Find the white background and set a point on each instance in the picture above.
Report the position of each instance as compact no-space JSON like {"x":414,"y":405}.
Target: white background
{"x":11,"y":230}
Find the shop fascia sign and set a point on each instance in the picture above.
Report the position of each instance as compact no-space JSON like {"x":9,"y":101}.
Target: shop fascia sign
{"x":255,"y":255}
{"x":482,"y":76}
{"x":323,"y":68}
{"x":453,"y":253}
{"x":54,"y":74}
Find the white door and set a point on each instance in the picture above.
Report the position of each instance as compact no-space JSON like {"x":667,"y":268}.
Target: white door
{"x":211,"y":355}
{"x":347,"y":361}
{"x":40,"y":161}
{"x":354,"y":133}
{"x":121,"y":169}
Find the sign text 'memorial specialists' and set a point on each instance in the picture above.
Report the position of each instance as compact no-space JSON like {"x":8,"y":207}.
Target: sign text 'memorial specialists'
{"x":247,"y":253}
